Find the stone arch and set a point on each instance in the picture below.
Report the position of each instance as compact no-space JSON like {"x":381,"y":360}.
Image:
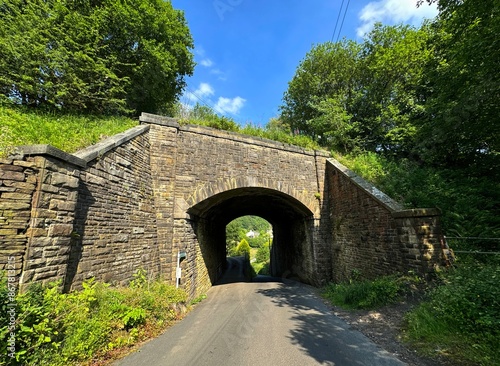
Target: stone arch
{"x":213,"y":207}
{"x":202,"y":193}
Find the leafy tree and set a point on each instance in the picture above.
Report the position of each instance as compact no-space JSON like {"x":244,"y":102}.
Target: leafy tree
{"x":243,"y":249}
{"x":329,"y":70}
{"x":394,"y":60}
{"x":462,"y":123}
{"x":95,"y":56}
{"x":348,"y":95}
{"x":237,"y":230}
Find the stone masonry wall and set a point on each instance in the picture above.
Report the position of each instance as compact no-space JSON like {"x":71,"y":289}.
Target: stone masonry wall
{"x":372,"y":235}
{"x":41,"y":209}
{"x":18,"y":182}
{"x":115,"y":227}
{"x":122,"y":204}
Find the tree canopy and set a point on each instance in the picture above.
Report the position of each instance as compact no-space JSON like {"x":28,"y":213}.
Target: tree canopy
{"x":430,"y":93}
{"x":99,"y":56}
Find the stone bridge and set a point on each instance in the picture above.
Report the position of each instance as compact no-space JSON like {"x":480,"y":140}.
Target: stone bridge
{"x":138,"y":199}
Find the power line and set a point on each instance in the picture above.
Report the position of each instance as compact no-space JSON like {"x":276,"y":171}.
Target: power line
{"x":341,"y":24}
{"x":209,"y":105}
{"x":337,"y":22}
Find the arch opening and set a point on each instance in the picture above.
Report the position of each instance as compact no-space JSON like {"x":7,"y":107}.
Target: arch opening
{"x":292,"y":223}
{"x":250,"y":237}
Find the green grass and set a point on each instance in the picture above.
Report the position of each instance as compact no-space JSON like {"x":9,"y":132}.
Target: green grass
{"x":370,"y":294}
{"x":469,"y":200}
{"x":70,"y":133}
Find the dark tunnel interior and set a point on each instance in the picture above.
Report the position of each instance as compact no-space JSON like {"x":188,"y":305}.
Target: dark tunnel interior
{"x":291,"y":222}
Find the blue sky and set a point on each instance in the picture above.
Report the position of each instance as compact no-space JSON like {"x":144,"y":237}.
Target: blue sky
{"x":248,"y":50}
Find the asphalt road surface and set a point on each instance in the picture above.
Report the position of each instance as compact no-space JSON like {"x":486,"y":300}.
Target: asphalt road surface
{"x":267,"y":322}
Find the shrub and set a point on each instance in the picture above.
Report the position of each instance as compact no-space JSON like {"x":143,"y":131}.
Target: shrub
{"x":57,"y":329}
{"x":461,"y":316}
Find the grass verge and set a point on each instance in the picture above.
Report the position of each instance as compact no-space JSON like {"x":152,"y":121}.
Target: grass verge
{"x":461,"y":318}
{"x":370,"y":294}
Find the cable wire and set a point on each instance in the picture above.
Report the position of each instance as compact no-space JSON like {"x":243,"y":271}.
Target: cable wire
{"x":342,"y":24}
{"x":337,"y":22}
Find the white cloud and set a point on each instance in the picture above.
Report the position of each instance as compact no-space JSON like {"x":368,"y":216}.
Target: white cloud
{"x":228,"y":105}
{"x":394,"y":11}
{"x":206,"y":62}
{"x":203,"y":91}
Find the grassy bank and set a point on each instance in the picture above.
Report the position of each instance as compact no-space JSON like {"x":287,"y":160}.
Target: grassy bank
{"x":19,"y":126}
{"x":460,"y":317}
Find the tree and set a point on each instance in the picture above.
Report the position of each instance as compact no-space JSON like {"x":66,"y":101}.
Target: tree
{"x":394,"y":59}
{"x":329,"y":70}
{"x":461,"y":126}
{"x":348,"y":95}
{"x":94,"y":56}
{"x":243,"y":249}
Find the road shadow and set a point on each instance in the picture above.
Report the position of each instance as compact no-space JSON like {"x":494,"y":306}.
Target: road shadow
{"x":322,"y":335}
{"x":238,"y":269}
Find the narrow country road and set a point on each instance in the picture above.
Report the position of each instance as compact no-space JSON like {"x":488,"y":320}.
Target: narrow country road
{"x":268,"y":323}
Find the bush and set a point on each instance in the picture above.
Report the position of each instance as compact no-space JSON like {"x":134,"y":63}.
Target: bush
{"x":461,"y":316}
{"x":57,"y":329}
{"x":243,"y":249}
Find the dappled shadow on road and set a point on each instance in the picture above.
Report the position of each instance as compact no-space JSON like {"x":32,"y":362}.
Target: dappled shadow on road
{"x":320,"y":334}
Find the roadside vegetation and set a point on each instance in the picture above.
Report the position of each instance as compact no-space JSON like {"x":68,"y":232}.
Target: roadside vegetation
{"x":366,"y":294}
{"x":90,"y":326}
{"x":66,"y":131}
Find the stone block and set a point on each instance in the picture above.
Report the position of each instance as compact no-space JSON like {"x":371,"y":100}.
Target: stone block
{"x":50,"y":188}
{"x":46,"y":214}
{"x":63,"y":180}
{"x":33,"y":232}
{"x":60,"y":205}
{"x":60,"y":230}
{"x":10,"y":167}
{"x":12,"y":175}
{"x":14,"y":205}
{"x":16,"y":196}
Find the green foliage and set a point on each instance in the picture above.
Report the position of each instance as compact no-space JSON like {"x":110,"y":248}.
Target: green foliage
{"x":237,"y":229}
{"x":469,"y":202}
{"x":461,"y":317}
{"x":68,"y":132}
{"x":348,"y":96}
{"x":429,"y":94}
{"x":461,"y":124}
{"x":57,"y":329}
{"x":106,"y":57}
{"x":280,"y":135}
{"x":204,"y":116}
{"x":365,"y":294}
{"x":274,"y":130}
{"x":242,"y":249}
{"x":329,"y":71}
